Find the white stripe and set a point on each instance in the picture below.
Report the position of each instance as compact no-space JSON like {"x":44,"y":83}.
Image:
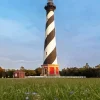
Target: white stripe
{"x":50,"y":28}
{"x":55,"y":62}
{"x":50,"y":47}
{"x":50,"y":14}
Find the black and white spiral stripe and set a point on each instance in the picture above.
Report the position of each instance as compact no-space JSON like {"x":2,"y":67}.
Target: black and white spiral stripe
{"x":50,"y":56}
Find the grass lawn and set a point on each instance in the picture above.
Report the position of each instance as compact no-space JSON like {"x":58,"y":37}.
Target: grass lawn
{"x":49,"y":89}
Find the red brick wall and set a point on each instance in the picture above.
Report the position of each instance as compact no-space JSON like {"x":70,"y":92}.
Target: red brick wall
{"x":51,"y":70}
{"x":19,"y":74}
{"x":57,"y":71}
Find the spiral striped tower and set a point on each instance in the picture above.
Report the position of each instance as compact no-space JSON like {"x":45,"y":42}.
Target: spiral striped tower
{"x":50,"y":66}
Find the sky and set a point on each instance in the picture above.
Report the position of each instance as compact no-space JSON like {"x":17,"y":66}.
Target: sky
{"x":22,"y":31}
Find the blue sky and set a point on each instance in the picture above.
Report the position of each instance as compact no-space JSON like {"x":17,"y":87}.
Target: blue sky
{"x":22,"y":30}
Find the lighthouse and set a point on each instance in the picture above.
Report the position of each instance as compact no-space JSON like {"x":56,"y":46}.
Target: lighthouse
{"x":50,"y":65}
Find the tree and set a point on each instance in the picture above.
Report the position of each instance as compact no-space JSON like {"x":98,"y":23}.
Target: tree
{"x":98,"y":66}
{"x":30,"y":73}
{"x":1,"y":72}
{"x":38,"y":71}
{"x":9,"y":73}
{"x":22,"y":68}
{"x":86,"y":66}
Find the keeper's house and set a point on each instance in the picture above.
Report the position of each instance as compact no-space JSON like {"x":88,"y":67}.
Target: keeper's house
{"x":19,"y":74}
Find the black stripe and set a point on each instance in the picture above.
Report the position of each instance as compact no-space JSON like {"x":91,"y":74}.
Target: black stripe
{"x":49,"y":38}
{"x":50,"y":20}
{"x":51,"y":58}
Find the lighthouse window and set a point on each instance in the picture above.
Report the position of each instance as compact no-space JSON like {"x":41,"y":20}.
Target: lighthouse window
{"x":46,"y":53}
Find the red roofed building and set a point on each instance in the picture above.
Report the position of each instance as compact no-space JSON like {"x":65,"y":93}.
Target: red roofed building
{"x":19,"y":74}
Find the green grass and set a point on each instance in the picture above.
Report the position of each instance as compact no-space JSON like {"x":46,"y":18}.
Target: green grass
{"x":50,"y":89}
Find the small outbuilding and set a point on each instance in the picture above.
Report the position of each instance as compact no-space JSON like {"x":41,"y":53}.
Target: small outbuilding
{"x":19,"y":74}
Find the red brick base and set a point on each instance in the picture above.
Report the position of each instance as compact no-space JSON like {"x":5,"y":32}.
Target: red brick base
{"x":50,"y":70}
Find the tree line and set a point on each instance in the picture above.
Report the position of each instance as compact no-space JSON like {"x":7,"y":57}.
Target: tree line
{"x":89,"y":72}
{"x":72,"y":71}
{"x":8,"y":73}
